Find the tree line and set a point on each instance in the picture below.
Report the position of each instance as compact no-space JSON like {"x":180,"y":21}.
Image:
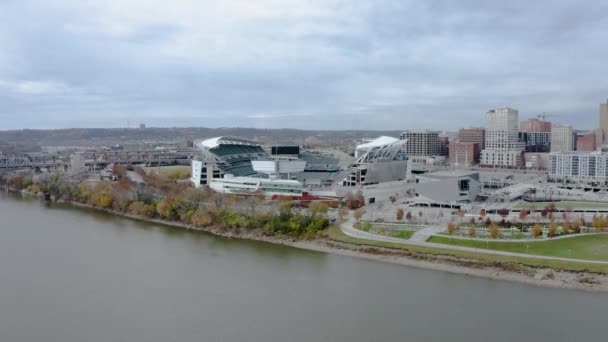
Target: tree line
{"x":160,"y":197}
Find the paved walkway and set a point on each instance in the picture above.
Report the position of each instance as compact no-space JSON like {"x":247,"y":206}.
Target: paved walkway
{"x":348,"y":229}
{"x":425,"y":233}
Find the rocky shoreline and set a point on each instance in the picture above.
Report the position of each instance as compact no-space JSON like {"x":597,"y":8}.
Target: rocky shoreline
{"x":503,"y":271}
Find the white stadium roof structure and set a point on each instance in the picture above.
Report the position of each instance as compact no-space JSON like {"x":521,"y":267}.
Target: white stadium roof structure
{"x":233,"y":154}
{"x":383,"y":148}
{"x":226,"y":140}
{"x":380,"y":141}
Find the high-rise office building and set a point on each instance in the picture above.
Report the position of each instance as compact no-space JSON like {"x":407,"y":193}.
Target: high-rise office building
{"x":586,"y":142}
{"x":535,"y":125}
{"x":536,"y":141}
{"x":603,"y":131}
{"x":464,"y":153}
{"x":502,"y":145}
{"x":444,"y":146}
{"x":473,"y":135}
{"x":579,"y":166}
{"x":422,"y":143}
{"x":536,"y":135}
{"x":562,"y":138}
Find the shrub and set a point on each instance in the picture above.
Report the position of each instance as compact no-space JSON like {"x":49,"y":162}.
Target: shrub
{"x":494,"y":231}
{"x":358,"y":214}
{"x":452,"y":228}
{"x":168,"y":208}
{"x":101,"y":195}
{"x":523,"y":214}
{"x":409,"y":216}
{"x":576,"y":226}
{"x":343,"y":212}
{"x":472,"y":232}
{"x":566,"y":227}
{"x":142,"y":209}
{"x":537,"y":230}
{"x":399,"y":214}
{"x":552,"y":229}
{"x":315,"y":208}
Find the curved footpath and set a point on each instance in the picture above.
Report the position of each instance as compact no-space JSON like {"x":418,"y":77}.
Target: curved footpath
{"x":419,"y":239}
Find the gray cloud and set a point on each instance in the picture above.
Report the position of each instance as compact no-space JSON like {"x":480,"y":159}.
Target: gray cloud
{"x":320,"y":64}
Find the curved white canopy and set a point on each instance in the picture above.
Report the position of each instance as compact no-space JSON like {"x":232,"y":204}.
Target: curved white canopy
{"x":380,"y":141}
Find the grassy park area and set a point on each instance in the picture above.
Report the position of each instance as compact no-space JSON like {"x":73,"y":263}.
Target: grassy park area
{"x":565,"y":205}
{"x":380,"y":230}
{"x":334,"y":233}
{"x":585,"y":247}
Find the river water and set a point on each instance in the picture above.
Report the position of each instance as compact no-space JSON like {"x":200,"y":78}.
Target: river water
{"x":70,"y":274}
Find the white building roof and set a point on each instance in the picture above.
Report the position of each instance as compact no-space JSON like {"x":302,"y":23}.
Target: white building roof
{"x":380,"y":141}
{"x":210,"y":143}
{"x":257,"y":180}
{"x":225,"y":140}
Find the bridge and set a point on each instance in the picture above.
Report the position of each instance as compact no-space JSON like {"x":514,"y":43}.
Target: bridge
{"x":94,"y":159}
{"x":35,"y":161}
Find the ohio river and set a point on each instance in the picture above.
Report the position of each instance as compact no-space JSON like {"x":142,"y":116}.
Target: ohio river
{"x":70,"y":274}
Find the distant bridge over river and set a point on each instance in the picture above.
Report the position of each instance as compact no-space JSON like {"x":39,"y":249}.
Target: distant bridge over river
{"x":93,"y":159}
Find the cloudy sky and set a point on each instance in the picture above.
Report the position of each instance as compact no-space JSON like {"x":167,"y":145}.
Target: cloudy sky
{"x":382,"y":64}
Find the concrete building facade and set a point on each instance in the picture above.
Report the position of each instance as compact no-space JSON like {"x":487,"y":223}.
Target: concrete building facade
{"x":535,"y":125}
{"x":448,"y":186}
{"x":586,"y":142}
{"x":604,"y":123}
{"x":464,"y":153}
{"x":381,"y":160}
{"x":578,"y":166}
{"x":473,"y":135}
{"x":536,"y":141}
{"x":421,"y":143}
{"x":444,"y":146}
{"x":562,"y":138}
{"x":502,"y":146}
{"x":536,"y":160}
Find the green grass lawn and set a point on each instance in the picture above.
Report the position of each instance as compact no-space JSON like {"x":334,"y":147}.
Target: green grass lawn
{"x":585,"y":247}
{"x":334,"y":233}
{"x":401,"y":234}
{"x":376,"y":229}
{"x":504,"y":234}
{"x":396,"y":223}
{"x":565,"y":205}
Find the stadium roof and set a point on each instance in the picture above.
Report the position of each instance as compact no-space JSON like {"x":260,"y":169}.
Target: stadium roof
{"x":380,"y":141}
{"x":226,"y":140}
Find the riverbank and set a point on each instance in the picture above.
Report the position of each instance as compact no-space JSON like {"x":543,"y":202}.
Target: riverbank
{"x":331,"y":243}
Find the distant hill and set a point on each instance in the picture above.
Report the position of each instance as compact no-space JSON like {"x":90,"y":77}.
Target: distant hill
{"x":111,"y":136}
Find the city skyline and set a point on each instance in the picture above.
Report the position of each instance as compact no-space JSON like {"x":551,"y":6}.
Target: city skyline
{"x":313,"y":65}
